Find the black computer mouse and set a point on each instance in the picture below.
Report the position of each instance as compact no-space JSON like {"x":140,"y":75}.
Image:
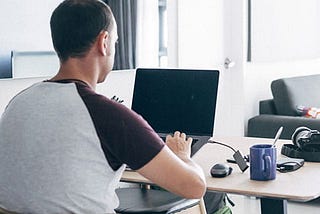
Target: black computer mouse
{"x":220,"y":170}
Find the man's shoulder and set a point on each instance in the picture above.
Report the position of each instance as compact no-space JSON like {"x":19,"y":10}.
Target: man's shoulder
{"x":25,"y":92}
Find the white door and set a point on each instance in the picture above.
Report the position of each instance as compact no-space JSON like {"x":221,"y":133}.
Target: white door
{"x":208,"y":32}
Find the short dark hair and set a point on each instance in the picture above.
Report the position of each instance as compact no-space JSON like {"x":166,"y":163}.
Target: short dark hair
{"x":75,"y":25}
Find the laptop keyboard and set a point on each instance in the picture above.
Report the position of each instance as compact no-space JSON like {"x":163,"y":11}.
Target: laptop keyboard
{"x":194,"y":140}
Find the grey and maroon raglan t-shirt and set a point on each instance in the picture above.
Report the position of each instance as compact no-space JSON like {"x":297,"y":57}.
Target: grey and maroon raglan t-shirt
{"x":63,"y":148}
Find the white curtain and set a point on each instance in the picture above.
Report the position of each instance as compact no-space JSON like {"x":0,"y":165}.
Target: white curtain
{"x":147,"y":33}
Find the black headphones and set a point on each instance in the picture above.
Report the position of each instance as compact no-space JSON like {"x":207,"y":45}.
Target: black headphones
{"x":306,"y":139}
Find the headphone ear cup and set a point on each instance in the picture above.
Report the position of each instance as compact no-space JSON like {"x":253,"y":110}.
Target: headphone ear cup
{"x":297,"y":133}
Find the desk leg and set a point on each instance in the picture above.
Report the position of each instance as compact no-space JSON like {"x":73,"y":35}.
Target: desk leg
{"x":273,"y":206}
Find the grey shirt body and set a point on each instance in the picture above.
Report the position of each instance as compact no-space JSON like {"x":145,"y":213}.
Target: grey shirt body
{"x":63,"y":149}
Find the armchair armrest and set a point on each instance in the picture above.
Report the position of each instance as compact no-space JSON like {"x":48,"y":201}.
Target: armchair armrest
{"x":267,"y":107}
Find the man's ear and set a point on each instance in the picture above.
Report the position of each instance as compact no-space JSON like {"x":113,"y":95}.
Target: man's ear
{"x":103,"y":42}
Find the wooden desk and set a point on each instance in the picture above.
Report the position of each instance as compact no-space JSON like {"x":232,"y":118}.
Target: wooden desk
{"x":300,"y":185}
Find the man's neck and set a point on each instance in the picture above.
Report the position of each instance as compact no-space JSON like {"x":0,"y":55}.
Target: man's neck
{"x":80,"y":69}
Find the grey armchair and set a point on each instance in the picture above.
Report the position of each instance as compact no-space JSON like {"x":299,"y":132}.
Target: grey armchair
{"x":281,"y":110}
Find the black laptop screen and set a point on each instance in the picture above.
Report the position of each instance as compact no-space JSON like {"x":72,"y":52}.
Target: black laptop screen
{"x":176,"y":99}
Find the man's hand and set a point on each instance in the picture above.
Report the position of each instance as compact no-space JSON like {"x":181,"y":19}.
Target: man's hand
{"x":179,"y":145}
{"x":173,"y":169}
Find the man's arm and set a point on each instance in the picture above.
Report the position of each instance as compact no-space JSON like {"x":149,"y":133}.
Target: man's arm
{"x":173,"y":169}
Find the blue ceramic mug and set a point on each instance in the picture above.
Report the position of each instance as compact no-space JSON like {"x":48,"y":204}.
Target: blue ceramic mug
{"x":263,"y":164}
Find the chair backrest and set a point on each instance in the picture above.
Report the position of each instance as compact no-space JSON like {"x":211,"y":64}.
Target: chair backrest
{"x":137,"y":200}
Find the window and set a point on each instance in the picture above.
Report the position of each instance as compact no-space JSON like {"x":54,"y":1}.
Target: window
{"x":163,"y":28}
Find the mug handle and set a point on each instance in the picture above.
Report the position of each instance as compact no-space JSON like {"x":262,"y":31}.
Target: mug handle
{"x":267,"y":166}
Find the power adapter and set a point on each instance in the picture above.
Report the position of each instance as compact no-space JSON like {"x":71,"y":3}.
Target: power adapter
{"x":241,"y":162}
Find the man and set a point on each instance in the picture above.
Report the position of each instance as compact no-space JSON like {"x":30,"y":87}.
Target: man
{"x":64,"y":147}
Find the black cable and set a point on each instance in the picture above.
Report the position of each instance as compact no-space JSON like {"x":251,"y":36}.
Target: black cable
{"x":238,"y":157}
{"x":212,"y":141}
{"x":230,"y":201}
{"x":288,"y":162}
{"x":288,"y":167}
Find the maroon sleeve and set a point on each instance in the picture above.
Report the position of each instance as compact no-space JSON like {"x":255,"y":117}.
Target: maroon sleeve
{"x":124,"y":135}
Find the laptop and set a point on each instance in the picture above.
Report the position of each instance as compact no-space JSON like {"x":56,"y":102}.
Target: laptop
{"x":177,"y":100}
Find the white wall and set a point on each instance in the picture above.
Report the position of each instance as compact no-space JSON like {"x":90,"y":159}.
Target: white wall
{"x":285,"y":30}
{"x":25,"y":24}
{"x":200,"y":34}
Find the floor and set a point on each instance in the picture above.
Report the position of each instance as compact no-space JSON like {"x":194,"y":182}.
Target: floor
{"x":251,"y":205}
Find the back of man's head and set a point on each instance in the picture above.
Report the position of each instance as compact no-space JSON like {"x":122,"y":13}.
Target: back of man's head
{"x":75,"y":25}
